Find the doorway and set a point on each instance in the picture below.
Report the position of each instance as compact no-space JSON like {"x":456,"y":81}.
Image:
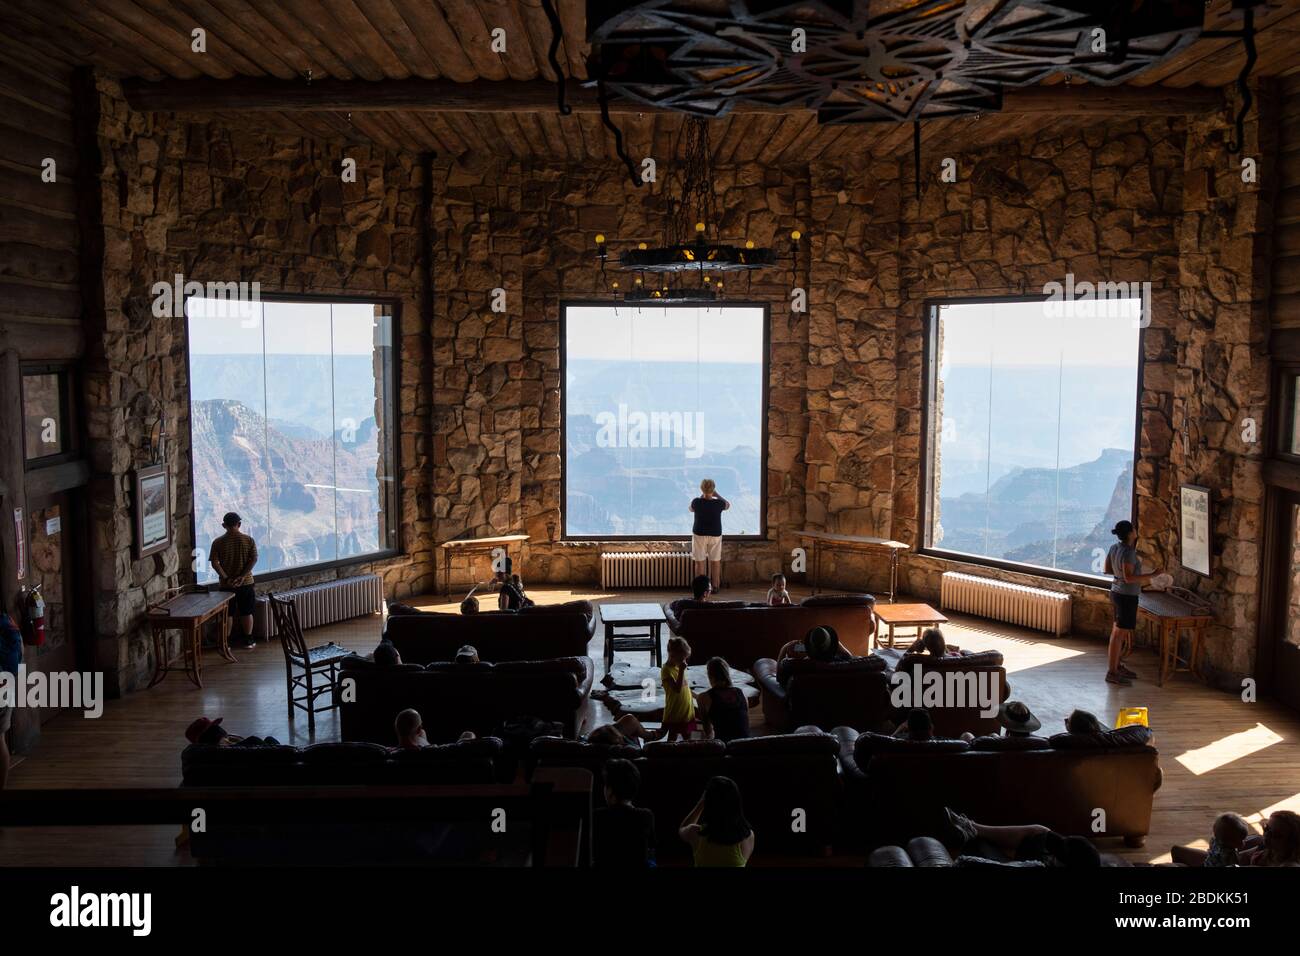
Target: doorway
{"x":1283,"y":595}
{"x":50,"y":567}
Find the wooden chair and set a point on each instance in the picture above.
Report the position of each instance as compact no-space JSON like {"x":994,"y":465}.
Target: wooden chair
{"x":317,"y":667}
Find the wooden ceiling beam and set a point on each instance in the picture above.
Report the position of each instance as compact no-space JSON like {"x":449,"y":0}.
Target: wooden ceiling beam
{"x":444,"y":96}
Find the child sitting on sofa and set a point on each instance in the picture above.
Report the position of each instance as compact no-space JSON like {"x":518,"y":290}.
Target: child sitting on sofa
{"x":679,"y":703}
{"x":409,"y":727}
{"x":1227,"y":843}
{"x":777,"y":595}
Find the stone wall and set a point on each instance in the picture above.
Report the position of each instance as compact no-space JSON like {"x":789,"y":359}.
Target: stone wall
{"x":530,"y":230}
{"x":1159,"y":201}
{"x":1123,"y":201}
{"x":228,"y":205}
{"x":1155,"y":200}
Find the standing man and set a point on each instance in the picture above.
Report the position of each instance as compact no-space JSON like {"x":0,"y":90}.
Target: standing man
{"x":234,"y":555}
{"x":706,"y":535}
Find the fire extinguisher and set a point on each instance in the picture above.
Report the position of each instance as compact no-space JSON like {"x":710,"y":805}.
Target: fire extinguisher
{"x":34,"y":606}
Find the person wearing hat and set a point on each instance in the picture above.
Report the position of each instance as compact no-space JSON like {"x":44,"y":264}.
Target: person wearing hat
{"x":820,"y":644}
{"x":208,"y":730}
{"x":1125,"y":567}
{"x":1017,"y":719}
{"x":233,"y":557}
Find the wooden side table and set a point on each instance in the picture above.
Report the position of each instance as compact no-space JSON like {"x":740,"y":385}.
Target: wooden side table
{"x":472,"y":546}
{"x":188,"y":613}
{"x":1172,"y":612}
{"x":824,"y":541}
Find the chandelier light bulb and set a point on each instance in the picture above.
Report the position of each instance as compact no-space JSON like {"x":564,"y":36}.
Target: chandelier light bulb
{"x":600,"y":238}
{"x":699,"y":227}
{"x":642,"y":245}
{"x":749,"y":243}
{"x":796,"y":235}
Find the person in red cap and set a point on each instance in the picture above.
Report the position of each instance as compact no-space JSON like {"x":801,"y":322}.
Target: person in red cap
{"x":208,"y":730}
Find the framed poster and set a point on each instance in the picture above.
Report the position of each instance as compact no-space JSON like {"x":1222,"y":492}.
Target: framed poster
{"x":153,"y":517}
{"x":1194,"y":508}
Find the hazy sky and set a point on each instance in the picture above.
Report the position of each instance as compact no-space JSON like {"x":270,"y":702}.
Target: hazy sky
{"x":1027,"y":336}
{"x":291,"y":328}
{"x":708,"y":333}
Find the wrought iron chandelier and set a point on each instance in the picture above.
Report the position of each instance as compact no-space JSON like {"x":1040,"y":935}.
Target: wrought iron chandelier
{"x":692,"y":247}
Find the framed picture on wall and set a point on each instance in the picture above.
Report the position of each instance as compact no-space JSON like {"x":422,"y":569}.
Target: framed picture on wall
{"x":1194,"y":508}
{"x":153,"y":517}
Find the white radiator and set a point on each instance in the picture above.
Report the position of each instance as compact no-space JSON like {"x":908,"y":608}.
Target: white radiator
{"x":645,"y":569}
{"x":326,"y":603}
{"x":1037,"y":608}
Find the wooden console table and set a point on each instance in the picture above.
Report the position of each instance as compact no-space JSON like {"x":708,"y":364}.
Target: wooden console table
{"x":473,"y":545}
{"x":824,"y":541}
{"x":1173,"y":612}
{"x":188,"y":613}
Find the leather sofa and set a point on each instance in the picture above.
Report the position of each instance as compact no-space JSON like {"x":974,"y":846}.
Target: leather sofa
{"x":323,"y":764}
{"x":976,"y":672}
{"x":928,"y":852}
{"x":744,"y":633}
{"x":777,"y":775}
{"x":459,"y":787}
{"x":529,"y":634}
{"x":453,"y":698}
{"x":852,"y":693}
{"x":897,"y":789}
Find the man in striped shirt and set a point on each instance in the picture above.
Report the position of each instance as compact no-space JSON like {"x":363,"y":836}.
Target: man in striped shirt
{"x":234,"y":555}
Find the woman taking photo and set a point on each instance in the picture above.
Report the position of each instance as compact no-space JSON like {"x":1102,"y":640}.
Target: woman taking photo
{"x":706,"y":534}
{"x":1124,"y":565}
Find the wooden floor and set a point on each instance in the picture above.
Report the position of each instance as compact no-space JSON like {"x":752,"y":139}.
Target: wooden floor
{"x":1217,"y":752}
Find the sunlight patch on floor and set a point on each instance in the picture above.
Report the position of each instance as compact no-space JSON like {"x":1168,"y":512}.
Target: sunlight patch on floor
{"x":1290,"y":803}
{"x":1227,"y":749}
{"x":1042,"y":654}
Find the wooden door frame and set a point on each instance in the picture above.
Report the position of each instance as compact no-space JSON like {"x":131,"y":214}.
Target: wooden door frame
{"x":1274,"y":580}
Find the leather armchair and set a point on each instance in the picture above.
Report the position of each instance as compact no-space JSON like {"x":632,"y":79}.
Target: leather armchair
{"x":952,"y":721}
{"x":852,"y":693}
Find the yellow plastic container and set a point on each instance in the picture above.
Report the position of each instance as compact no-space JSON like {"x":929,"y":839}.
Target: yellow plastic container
{"x":1131,"y":715}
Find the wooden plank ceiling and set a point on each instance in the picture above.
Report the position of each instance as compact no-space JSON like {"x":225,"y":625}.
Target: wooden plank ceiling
{"x":374,"y":40}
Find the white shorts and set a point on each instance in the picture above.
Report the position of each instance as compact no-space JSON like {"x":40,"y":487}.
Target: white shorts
{"x":706,"y":547}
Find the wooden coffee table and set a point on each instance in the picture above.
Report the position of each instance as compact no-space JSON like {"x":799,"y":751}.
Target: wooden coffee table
{"x":640,"y":625}
{"x":918,"y":616}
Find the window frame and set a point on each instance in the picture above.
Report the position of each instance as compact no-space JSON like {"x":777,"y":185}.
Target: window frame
{"x":929,"y":382}
{"x":68,"y":419}
{"x":1286,"y":386}
{"x":397,"y":548}
{"x":565,"y":305}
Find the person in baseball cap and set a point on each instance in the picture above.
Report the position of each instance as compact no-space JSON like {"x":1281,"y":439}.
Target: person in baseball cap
{"x":208,"y":730}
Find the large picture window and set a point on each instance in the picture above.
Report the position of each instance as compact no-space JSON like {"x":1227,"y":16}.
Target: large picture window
{"x":291,"y":412}
{"x":1031,"y":429}
{"x":655,"y":400}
